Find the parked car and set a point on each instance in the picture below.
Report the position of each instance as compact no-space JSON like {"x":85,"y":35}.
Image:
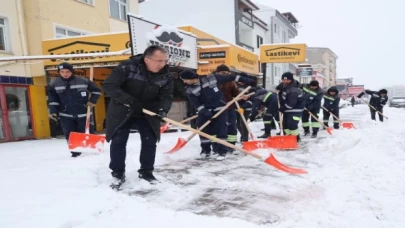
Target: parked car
{"x":398,"y":102}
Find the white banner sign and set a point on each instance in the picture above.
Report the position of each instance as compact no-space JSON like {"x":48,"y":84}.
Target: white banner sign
{"x":181,"y":46}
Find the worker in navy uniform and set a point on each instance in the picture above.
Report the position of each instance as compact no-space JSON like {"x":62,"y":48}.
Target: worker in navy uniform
{"x":313,"y":95}
{"x":205,"y":95}
{"x":68,"y":97}
{"x":292,"y":104}
{"x":377,"y":100}
{"x":331,"y":104}
{"x":230,"y":90}
{"x":267,"y":99}
{"x":141,"y":82}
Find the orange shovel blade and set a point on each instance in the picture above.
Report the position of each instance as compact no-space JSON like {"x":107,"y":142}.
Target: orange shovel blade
{"x":329,"y":130}
{"x":164,"y":128}
{"x":180,"y":144}
{"x":81,"y":142}
{"x":255,"y":144}
{"x":271,"y":160}
{"x":348,"y":125}
{"x":288,"y":142}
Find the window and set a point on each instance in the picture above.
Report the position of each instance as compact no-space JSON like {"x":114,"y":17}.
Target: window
{"x":259,"y":41}
{"x":64,"y":32}
{"x":90,"y":2}
{"x":119,"y":9}
{"x":285,"y":37}
{"x":4,"y":45}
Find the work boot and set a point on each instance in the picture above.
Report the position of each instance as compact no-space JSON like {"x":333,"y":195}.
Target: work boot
{"x":264,"y":136}
{"x":118,"y":180}
{"x":298,"y":138}
{"x":205,"y":154}
{"x":314,"y":134}
{"x":75,"y":154}
{"x":221,"y":156}
{"x":306,"y":133}
{"x":148,"y":176}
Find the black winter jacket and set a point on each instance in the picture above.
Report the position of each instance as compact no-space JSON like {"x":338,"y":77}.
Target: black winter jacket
{"x":376,"y":100}
{"x":313,"y":99}
{"x":68,"y":97}
{"x":131,"y":81}
{"x":291,"y":97}
{"x":331,"y":103}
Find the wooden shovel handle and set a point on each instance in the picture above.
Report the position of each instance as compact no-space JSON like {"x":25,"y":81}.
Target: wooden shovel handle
{"x":244,"y":120}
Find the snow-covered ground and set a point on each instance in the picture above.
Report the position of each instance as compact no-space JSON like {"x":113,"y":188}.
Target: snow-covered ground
{"x":355,"y":179}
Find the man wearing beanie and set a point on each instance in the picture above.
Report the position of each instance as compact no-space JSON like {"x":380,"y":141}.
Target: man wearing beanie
{"x":68,"y":97}
{"x":331,"y":104}
{"x":205,"y":95}
{"x":313,"y":95}
{"x":292,"y":104}
{"x":378,"y":100}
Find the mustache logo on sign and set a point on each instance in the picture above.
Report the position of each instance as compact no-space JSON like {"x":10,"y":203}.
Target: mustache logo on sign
{"x":166,"y":37}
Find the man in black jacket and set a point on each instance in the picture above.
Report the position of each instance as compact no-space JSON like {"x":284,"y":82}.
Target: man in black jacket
{"x":68,"y":97}
{"x":142,"y":82}
{"x":378,"y":100}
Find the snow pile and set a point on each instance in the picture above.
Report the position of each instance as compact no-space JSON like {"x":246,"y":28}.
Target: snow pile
{"x":355,"y":180}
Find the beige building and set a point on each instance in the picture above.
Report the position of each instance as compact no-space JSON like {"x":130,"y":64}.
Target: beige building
{"x":24,"y":24}
{"x":325,"y":58}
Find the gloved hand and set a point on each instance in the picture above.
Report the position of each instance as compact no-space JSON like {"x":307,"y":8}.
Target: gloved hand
{"x":205,"y":112}
{"x":90,"y":104}
{"x":252,"y":118}
{"x":136,"y":107}
{"x":310,"y":107}
{"x":360,"y":95}
{"x":282,"y":109}
{"x":161,"y":114}
{"x":54,"y":116}
{"x":330,"y":110}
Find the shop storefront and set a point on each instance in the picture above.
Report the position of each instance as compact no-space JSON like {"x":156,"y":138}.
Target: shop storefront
{"x":238,"y":59}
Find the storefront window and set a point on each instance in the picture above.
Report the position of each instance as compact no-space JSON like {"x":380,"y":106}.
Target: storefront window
{"x":18,"y":111}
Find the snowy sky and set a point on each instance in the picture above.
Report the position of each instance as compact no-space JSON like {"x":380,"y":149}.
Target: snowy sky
{"x":367,"y":35}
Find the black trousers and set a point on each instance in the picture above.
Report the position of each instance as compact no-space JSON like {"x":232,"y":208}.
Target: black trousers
{"x":74,"y":125}
{"x":372,"y":111}
{"x":326,"y":116}
{"x":242,"y":127}
{"x":118,"y":146}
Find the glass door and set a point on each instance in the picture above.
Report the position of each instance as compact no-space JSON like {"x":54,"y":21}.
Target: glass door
{"x":19,"y":112}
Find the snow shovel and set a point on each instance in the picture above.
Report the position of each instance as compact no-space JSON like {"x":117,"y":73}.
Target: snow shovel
{"x":182,"y":142}
{"x":86,"y":142}
{"x":270,"y":160}
{"x":328,"y":129}
{"x":373,"y":108}
{"x":241,"y":112}
{"x":167,"y":126}
{"x":348,"y":125}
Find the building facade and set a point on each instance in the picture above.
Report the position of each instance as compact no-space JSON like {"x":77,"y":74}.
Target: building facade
{"x":230,"y":20}
{"x":23,"y":27}
{"x":282,"y":27}
{"x":326,"y":58}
